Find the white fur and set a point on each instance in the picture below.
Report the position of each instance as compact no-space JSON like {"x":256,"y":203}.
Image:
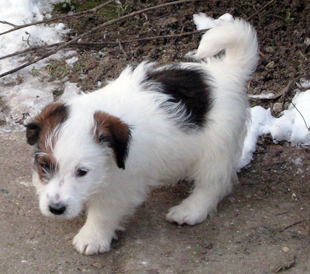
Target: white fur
{"x":159,"y":151}
{"x":202,"y":21}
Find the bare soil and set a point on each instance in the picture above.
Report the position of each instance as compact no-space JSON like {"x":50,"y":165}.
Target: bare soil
{"x":263,"y":226}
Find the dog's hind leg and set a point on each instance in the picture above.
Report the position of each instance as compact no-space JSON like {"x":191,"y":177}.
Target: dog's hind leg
{"x":213,"y":180}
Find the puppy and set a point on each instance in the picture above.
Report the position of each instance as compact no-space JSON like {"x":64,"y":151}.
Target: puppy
{"x":152,"y":125}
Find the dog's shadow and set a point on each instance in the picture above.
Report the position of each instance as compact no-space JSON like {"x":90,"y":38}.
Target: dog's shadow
{"x":149,"y":219}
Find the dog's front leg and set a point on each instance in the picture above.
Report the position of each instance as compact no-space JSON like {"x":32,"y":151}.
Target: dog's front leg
{"x":103,"y":219}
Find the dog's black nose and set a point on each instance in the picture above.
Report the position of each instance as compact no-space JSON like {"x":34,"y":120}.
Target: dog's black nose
{"x":57,"y":209}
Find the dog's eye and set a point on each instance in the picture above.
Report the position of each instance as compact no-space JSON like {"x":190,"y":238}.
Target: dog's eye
{"x":45,"y":167}
{"x":81,"y":172}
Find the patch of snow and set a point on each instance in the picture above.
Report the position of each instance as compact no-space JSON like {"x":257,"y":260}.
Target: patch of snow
{"x":26,"y":92}
{"x":297,"y":161}
{"x":262,"y":96}
{"x":290,"y":126}
{"x":70,"y":90}
{"x":303,"y":83}
{"x":260,"y":124}
{"x":72,"y":60}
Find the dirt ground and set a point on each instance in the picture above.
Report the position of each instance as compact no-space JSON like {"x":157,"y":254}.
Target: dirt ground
{"x":263,"y":226}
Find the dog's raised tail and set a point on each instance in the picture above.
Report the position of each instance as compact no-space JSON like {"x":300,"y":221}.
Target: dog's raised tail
{"x":236,"y":36}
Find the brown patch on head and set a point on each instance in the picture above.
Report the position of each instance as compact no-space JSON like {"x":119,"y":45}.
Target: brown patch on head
{"x":45,"y":123}
{"x":42,"y":131}
{"x":113,"y":132}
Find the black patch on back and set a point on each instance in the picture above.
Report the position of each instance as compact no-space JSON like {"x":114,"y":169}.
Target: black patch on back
{"x":188,"y":87}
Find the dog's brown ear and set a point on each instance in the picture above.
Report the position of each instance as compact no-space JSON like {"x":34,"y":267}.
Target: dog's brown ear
{"x":51,"y":116}
{"x":113,"y":132}
{"x":32,"y":133}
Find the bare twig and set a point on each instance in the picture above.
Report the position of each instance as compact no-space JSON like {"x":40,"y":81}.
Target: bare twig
{"x":16,"y":27}
{"x":164,"y":36}
{"x":85,"y":44}
{"x":288,"y":264}
{"x":303,"y":56}
{"x":29,"y":63}
{"x":27,"y":39}
{"x":122,"y":49}
{"x":30,"y":50}
{"x":282,"y":213}
{"x":303,"y":118}
{"x":102,"y":43}
{"x":260,"y":10}
{"x":287,"y":89}
{"x":293,"y":224}
{"x":8,"y":23}
{"x":128,"y":16}
{"x":284,"y":92}
{"x":108,"y":23}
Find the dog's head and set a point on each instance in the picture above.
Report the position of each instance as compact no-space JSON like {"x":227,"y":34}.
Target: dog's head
{"x":74,"y":151}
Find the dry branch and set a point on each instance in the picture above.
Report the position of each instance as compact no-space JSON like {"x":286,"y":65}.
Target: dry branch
{"x":286,"y":90}
{"x":284,"y":93}
{"x":16,"y":27}
{"x":29,"y":50}
{"x":54,"y":48}
{"x":291,"y":225}
{"x":260,"y":10}
{"x":8,"y":23}
{"x":103,"y":43}
{"x":108,"y":23}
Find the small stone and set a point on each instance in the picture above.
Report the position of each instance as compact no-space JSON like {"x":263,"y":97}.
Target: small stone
{"x":285,"y":249}
{"x":270,"y":65}
{"x":277,"y":107}
{"x":97,"y":265}
{"x":269,"y":49}
{"x":170,"y":21}
{"x":307,"y":41}
{"x":69,"y":237}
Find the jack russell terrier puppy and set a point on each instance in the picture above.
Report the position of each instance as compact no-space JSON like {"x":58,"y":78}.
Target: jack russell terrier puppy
{"x":105,"y":150}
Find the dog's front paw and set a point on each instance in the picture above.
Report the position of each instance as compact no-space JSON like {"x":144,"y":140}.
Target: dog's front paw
{"x":188,"y":213}
{"x":88,"y":243}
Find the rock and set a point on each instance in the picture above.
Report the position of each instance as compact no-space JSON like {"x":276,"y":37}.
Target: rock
{"x":269,"y":49}
{"x":307,"y":41}
{"x":270,"y":65}
{"x":277,"y":107}
{"x":97,"y":265}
